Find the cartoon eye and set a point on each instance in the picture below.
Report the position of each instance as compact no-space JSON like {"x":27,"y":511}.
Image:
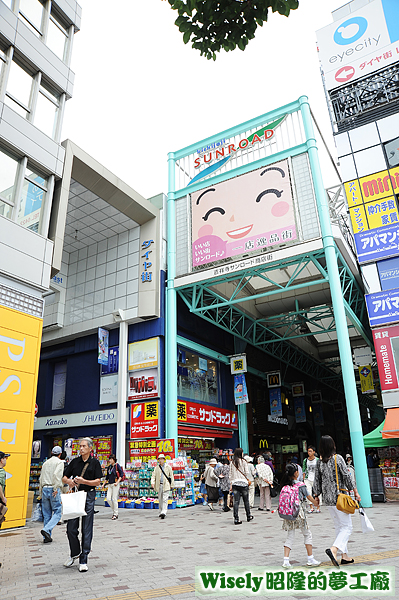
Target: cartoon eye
{"x":216,"y":209}
{"x":276,"y":192}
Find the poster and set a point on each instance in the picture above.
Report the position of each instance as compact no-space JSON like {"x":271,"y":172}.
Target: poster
{"x":103,"y":343}
{"x":144,"y":384}
{"x":243,"y":214}
{"x":240,"y":390}
{"x":144,"y":354}
{"x":276,"y":408}
{"x":195,"y":444}
{"x":146,"y":450}
{"x":36,"y":449}
{"x":300,"y":411}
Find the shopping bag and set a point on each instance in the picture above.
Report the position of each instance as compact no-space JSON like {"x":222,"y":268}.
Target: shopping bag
{"x":365,"y":522}
{"x":73,"y":505}
{"x":37,"y":516}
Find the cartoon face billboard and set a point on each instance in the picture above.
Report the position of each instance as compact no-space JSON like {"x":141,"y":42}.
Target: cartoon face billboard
{"x":244,"y":214}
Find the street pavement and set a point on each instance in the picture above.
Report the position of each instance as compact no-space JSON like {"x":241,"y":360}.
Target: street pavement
{"x":140,"y":556}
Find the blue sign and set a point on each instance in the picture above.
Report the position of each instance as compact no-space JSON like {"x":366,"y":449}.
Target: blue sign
{"x":376,"y":244}
{"x":112,"y":365}
{"x":275,"y":402}
{"x":240,"y":390}
{"x":388,"y":271}
{"x":383,"y":307}
{"x":299,"y":409}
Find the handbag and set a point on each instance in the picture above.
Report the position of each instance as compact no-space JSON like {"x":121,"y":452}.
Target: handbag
{"x":248,"y":480}
{"x":345,"y":503}
{"x":37,"y":516}
{"x":74,"y":502}
{"x":231,"y":500}
{"x":365,"y":522}
{"x":274,"y":488}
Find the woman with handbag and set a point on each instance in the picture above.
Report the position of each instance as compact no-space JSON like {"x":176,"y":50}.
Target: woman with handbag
{"x":211,"y":483}
{"x":265,"y":480}
{"x":239,"y":482}
{"x":332,"y":478}
{"x":224,"y":482}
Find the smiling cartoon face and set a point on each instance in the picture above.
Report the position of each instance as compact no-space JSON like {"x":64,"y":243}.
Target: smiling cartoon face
{"x":243,"y":214}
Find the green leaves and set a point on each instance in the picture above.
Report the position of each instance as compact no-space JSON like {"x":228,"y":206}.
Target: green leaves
{"x":213,"y":25}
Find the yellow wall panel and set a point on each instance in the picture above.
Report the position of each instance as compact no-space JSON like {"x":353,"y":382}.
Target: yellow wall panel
{"x":353,"y":193}
{"x":17,"y":484}
{"x":382,"y":212}
{"x":358,"y":219}
{"x":16,"y":511}
{"x":15,"y":431}
{"x":18,"y":351}
{"x":20,"y":322}
{"x":11,"y":395}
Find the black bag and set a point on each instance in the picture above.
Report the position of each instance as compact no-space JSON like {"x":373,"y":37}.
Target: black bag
{"x":275,"y":489}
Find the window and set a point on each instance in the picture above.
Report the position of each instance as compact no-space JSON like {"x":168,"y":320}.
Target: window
{"x":18,"y":91}
{"x":33,"y":195}
{"x":392,"y":152}
{"x":31,"y":12}
{"x":8,"y":173}
{"x":57,"y":37}
{"x":59,"y":386}
{"x":46,"y":111}
{"x":196,"y":377}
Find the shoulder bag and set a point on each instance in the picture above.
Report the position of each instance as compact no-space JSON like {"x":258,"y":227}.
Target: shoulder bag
{"x":248,"y":480}
{"x":167,"y":476}
{"x":345,"y":503}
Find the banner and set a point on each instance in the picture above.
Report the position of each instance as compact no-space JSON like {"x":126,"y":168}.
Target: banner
{"x":300,"y":411}
{"x":366,"y":379}
{"x":103,"y":343}
{"x":240,"y":390}
{"x":144,"y":420}
{"x":276,"y":408}
{"x":146,"y":450}
{"x":144,"y":354}
{"x":193,"y":413}
{"x":195,"y":444}
{"x":144,"y":384}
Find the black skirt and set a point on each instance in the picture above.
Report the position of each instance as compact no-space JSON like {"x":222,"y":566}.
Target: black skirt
{"x":213,"y":493}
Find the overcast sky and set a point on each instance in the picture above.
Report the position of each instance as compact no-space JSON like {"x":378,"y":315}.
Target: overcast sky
{"x":141,"y":93}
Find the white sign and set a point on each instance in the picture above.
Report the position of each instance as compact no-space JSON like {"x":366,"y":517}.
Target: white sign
{"x":278,"y":420}
{"x":363,"y":356}
{"x":360,"y":43}
{"x":84,"y":419}
{"x":109,"y":389}
{"x":238,"y":364}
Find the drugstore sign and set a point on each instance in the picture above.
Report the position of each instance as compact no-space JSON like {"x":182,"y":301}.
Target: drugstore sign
{"x":192,"y":413}
{"x":144,"y":420}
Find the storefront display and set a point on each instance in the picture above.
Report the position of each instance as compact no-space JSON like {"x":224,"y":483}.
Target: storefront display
{"x":389,"y":464}
{"x":34,"y":477}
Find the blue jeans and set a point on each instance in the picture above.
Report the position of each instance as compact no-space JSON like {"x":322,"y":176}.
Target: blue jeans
{"x":87,"y":531}
{"x":52,"y":508}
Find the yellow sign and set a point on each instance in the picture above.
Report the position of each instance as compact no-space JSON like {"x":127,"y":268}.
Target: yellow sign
{"x":150,"y":411}
{"x":371,"y":201}
{"x":20,"y":336}
{"x":143,"y":355}
{"x":366,"y":379}
{"x":263,"y":444}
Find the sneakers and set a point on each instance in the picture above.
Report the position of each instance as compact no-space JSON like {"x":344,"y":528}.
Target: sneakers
{"x":317,"y":510}
{"x":312,"y":562}
{"x":83,"y":568}
{"x":205,"y":504}
{"x":287,"y":565}
{"x":69,"y":562}
{"x":310,"y":510}
{"x":210,"y":506}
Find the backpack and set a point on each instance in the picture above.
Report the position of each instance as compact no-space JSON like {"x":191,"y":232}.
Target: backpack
{"x":288,"y":506}
{"x":120,"y":472}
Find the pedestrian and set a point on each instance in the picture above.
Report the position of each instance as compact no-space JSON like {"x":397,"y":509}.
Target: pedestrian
{"x":239,"y":479}
{"x":50,"y":486}
{"x":211,"y":483}
{"x":251,"y":482}
{"x":351,"y":468}
{"x":370,"y":459}
{"x":85,"y":473}
{"x":3,"y":478}
{"x":265,"y":480}
{"x":300,"y":471}
{"x":162,"y":481}
{"x":325,"y":481}
{"x":223,"y":472}
{"x":269,"y":461}
{"x":113,"y":479}
{"x":203,"y":489}
{"x":290,"y":481}
{"x":309,"y":468}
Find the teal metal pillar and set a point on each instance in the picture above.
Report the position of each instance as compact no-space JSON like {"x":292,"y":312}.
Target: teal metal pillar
{"x":171,"y":312}
{"x":345,"y":351}
{"x":243,"y":427}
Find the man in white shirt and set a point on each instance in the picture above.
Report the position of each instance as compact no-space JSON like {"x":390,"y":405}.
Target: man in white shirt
{"x":162,"y":481}
{"x":50,"y":486}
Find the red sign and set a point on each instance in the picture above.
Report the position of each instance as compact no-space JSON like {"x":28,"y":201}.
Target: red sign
{"x":192,"y":413}
{"x":143,"y":384}
{"x":383,"y":339}
{"x":195,"y":444}
{"x":146,"y":450}
{"x":344,"y":74}
{"x":144,"y":420}
{"x":36,"y":409}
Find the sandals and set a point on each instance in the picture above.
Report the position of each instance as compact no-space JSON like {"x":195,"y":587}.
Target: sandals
{"x":332,"y":558}
{"x":114,"y":517}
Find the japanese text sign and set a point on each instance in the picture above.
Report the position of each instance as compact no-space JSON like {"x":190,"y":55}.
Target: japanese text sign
{"x":238,"y":364}
{"x":143,"y":384}
{"x":377,"y":244}
{"x":386,"y":344}
{"x":383,"y":307}
{"x":144,"y":420}
{"x":144,"y":354}
{"x":366,"y":379}
{"x":146,"y":450}
{"x":193,"y":413}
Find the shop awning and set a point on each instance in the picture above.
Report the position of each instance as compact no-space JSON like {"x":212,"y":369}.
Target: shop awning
{"x":374,"y":438}
{"x":204,"y":432}
{"x":391,"y":426}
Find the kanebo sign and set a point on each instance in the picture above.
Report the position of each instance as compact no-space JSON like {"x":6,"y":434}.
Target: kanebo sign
{"x":98,"y":417}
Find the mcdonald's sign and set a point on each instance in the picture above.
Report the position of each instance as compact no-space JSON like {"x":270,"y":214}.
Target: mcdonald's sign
{"x":263,"y":444}
{"x":273,"y":379}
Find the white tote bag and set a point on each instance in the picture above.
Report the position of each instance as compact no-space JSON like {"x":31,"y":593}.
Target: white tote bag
{"x":365,"y":522}
{"x":73,"y":505}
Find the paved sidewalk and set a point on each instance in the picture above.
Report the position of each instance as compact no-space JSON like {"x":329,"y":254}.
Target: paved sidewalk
{"x":140,"y":556}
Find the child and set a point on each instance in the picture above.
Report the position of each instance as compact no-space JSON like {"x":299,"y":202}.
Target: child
{"x":290,"y":479}
{"x":203,"y":490}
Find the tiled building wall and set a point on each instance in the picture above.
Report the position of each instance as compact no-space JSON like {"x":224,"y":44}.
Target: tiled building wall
{"x":305,"y":197}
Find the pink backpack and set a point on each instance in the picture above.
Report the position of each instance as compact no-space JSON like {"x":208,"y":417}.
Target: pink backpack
{"x":288,"y":506}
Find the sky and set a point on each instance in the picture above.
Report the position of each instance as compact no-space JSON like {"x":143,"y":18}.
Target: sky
{"x":141,"y":93}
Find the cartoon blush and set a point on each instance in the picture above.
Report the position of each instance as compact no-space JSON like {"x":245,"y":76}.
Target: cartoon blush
{"x":205,"y":230}
{"x":280,"y":209}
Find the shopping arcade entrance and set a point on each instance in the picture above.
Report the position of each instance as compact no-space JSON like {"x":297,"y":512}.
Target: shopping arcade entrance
{"x":297,"y":303}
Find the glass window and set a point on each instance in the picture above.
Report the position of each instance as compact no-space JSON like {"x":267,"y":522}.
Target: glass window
{"x":56,"y":38}
{"x":31,"y":11}
{"x":32,"y":198}
{"x":196,"y":377}
{"x":18,"y":91}
{"x":8,"y":173}
{"x":46,"y":111}
{"x":59,"y":386}
{"x":5,"y":210}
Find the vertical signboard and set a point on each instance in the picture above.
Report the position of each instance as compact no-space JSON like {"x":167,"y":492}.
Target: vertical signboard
{"x":103,"y":344}
{"x":240,"y":390}
{"x":276,"y":408}
{"x":20,"y":336}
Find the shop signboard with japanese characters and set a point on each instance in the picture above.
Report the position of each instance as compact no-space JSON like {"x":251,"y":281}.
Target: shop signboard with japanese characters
{"x":143,"y":384}
{"x":193,"y":413}
{"x":361,"y":42}
{"x":386,"y":344}
{"x":195,"y":444}
{"x":144,"y":354}
{"x":146,"y":450}
{"x":144,"y":420}
{"x":242,"y":215}
{"x":388,"y":271}
{"x":383,"y":307}
{"x":377,"y":244}
{"x":366,"y":379}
